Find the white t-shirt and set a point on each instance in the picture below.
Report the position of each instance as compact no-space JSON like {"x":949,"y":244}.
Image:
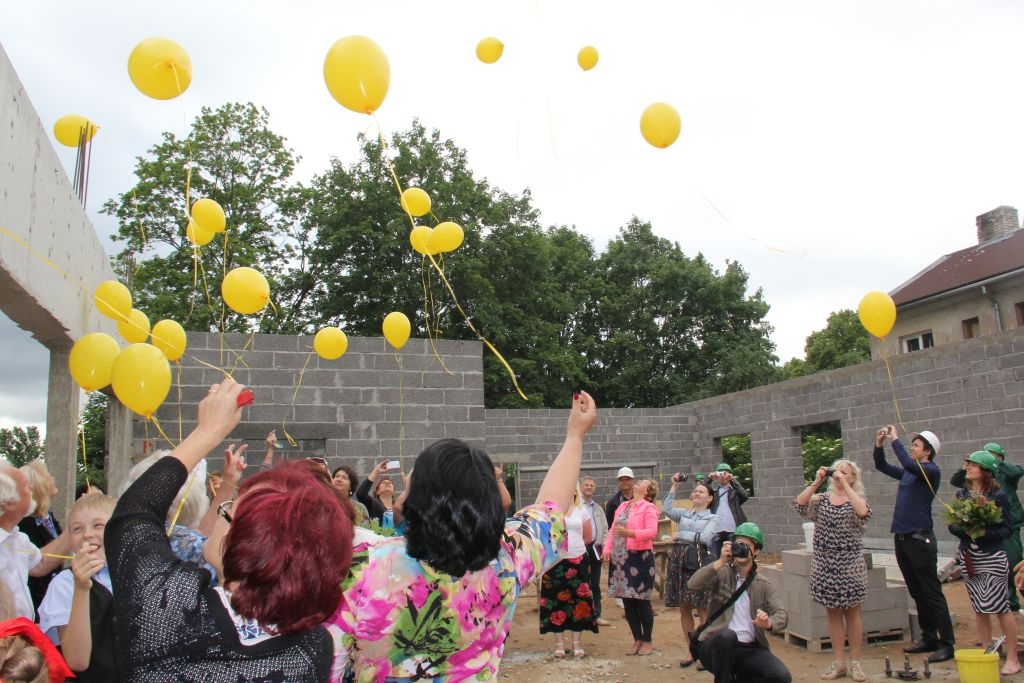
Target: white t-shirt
{"x":574,"y":524}
{"x":17,"y":557}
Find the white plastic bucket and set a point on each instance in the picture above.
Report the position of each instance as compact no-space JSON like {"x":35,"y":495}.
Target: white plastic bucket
{"x":809,"y":535}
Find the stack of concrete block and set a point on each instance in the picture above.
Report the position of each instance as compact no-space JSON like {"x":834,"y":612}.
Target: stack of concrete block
{"x":884,"y":610}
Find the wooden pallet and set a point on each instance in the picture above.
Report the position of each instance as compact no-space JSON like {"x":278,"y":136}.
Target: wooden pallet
{"x":821,"y":644}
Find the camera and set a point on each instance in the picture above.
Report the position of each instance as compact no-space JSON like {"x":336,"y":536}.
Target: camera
{"x":740,"y":550}
{"x":829,"y":471}
{"x":677,"y":477}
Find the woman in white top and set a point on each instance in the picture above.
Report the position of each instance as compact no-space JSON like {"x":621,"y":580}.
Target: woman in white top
{"x":566,"y":602}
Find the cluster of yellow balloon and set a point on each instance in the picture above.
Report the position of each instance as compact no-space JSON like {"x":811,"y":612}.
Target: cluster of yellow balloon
{"x":141,"y":378}
{"x":660,"y":124}
{"x":357,"y":74}
{"x":169,"y":337}
{"x":160,"y":68}
{"x":91,"y":360}
{"x":489,"y":50}
{"x":396,"y":329}
{"x":330,"y":343}
{"x":135,"y":328}
{"x":587,"y":57}
{"x":72,"y":129}
{"x":444,"y":237}
{"x":877,"y":313}
{"x":207,"y":219}
{"x":113,"y":300}
{"x":245,"y":290}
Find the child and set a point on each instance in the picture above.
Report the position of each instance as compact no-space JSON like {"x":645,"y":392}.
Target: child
{"x":77,"y":612}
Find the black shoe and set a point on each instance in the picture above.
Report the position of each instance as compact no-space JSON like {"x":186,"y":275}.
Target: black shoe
{"x":923,"y":646}
{"x":943,"y":654}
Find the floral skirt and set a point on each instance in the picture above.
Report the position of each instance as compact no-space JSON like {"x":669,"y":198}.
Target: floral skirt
{"x":676,"y":576}
{"x":566,"y":603}
{"x":631,"y":573}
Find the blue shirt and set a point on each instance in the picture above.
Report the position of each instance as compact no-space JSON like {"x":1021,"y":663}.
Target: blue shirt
{"x":913,"y":509}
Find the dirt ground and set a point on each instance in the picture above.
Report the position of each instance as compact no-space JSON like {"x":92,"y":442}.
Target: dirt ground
{"x":528,"y":655}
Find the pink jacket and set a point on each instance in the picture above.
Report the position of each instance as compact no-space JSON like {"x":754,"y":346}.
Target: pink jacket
{"x":643,"y":519}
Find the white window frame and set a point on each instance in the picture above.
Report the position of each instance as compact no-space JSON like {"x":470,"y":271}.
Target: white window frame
{"x":921,"y":340}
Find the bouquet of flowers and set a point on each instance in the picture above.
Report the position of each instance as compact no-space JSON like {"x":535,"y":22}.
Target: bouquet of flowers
{"x":973,"y":514}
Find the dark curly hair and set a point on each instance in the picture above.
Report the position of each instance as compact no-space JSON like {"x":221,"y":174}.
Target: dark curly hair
{"x":453,"y":513}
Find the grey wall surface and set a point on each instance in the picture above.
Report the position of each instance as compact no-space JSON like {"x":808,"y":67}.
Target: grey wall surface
{"x":354,"y":412}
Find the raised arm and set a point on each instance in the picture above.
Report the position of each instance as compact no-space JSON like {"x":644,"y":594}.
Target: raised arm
{"x":560,"y":482}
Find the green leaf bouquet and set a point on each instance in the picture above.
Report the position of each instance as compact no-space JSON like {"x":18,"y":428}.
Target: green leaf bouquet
{"x":973,"y":515}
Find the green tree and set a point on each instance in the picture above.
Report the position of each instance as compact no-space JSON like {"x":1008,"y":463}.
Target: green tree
{"x":92,"y":429}
{"x":670,"y":328}
{"x":19,"y":445}
{"x":842,"y":342}
{"x":736,"y":454}
{"x":231,"y":156}
{"x":821,"y":445}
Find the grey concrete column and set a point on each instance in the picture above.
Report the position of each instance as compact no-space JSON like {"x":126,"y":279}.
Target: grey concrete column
{"x":119,"y":444}
{"x":62,"y":407}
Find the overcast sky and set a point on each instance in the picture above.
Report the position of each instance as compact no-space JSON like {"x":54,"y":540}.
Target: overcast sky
{"x":831,"y":147}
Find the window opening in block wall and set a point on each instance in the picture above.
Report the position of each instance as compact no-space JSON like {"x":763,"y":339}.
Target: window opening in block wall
{"x":736,"y":454}
{"x":511,"y":472}
{"x":918,"y":341}
{"x":971,"y":328}
{"x":821,"y":445}
{"x":1018,"y":308}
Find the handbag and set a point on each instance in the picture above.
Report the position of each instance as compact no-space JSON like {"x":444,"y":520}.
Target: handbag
{"x":694,"y":636}
{"x":696,"y":555}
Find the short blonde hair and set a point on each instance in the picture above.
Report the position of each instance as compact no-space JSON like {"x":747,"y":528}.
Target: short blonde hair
{"x":857,"y":485}
{"x":92,"y":499}
{"x":39,"y":482}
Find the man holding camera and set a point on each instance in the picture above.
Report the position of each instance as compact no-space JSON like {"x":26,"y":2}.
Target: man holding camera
{"x":728,"y":505}
{"x":735,"y":645}
{"x":914,"y":538}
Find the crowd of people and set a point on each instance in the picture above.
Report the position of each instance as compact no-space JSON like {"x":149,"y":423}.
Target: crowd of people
{"x":278,"y":578}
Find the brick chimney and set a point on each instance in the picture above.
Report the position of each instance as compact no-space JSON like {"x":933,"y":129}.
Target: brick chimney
{"x":999,"y":222}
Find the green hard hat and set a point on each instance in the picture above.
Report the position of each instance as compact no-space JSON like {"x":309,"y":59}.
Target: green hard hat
{"x":996,"y":449}
{"x":984,"y":459}
{"x":752,"y":531}
{"x":724,"y":467}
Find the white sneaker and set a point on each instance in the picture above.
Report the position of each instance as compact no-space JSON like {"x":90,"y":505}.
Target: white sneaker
{"x":618,"y":601}
{"x":602,"y":622}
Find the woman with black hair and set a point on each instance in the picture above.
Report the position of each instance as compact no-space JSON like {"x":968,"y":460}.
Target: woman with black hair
{"x":437,"y":603}
{"x":346,"y":481}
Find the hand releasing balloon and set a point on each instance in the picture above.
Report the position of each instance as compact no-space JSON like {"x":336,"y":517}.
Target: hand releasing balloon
{"x":160,"y":68}
{"x":357,"y":74}
{"x":587,"y":58}
{"x":113,"y":300}
{"x":489,"y":50}
{"x":245,"y":290}
{"x":877,"y":313}
{"x":169,"y":337}
{"x":141,"y":378}
{"x":135,"y":329}
{"x":91,"y":360}
{"x":415,"y":202}
{"x":660,"y":124}
{"x":70,"y":130}
{"x":397,"y":329}
{"x":330,"y":343}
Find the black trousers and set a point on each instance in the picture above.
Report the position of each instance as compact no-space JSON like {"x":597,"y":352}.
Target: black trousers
{"x":640,"y":617}
{"x":729,"y":660}
{"x":918,"y":559}
{"x":594,"y":558}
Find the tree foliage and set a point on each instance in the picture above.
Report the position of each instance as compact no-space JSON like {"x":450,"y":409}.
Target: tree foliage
{"x":92,"y":428}
{"x":821,"y":445}
{"x":842,"y":342}
{"x":736,"y":454}
{"x":19,"y":445}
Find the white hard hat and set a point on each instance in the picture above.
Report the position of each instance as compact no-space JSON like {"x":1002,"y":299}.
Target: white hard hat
{"x":624,"y":472}
{"x":929,"y":438}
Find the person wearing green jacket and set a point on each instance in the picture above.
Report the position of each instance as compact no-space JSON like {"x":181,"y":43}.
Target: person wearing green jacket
{"x":1008,"y":475}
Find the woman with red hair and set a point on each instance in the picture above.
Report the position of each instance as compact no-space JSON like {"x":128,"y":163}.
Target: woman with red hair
{"x":287,"y":549}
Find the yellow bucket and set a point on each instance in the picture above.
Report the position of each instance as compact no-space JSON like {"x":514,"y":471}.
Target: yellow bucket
{"x":977,"y":667}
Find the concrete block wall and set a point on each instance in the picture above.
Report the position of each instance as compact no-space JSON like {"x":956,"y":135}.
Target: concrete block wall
{"x":369,"y":405}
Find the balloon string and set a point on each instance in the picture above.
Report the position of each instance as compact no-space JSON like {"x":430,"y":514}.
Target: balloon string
{"x":401,"y":412}
{"x":734,"y":228}
{"x":160,"y":429}
{"x":295,"y":394}
{"x":85,"y":463}
{"x":181,"y":504}
{"x":440,"y":271}
{"x":38,"y":254}
{"x":431,"y":312}
{"x":180,"y":414}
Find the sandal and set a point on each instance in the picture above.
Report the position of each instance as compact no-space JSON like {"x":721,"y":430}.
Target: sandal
{"x":835,"y":670}
{"x":636,"y":649}
{"x":645,"y":650}
{"x":559,"y":653}
{"x":578,"y":653}
{"x":1006,"y":671}
{"x":685,"y":662}
{"x":856,"y":672}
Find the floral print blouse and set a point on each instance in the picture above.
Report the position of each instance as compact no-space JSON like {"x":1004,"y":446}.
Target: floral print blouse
{"x":402,"y":621}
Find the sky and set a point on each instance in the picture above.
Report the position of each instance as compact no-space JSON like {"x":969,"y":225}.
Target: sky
{"x":831,"y":147}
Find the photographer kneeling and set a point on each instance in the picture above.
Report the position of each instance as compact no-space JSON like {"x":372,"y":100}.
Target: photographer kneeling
{"x":734,"y":643}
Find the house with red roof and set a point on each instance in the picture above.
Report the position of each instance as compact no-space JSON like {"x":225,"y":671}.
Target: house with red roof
{"x":975,"y":291}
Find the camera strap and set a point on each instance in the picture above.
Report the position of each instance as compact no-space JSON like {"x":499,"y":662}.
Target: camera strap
{"x":728,"y":603}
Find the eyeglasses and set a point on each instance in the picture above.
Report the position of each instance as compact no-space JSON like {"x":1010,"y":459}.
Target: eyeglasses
{"x":224,"y":510}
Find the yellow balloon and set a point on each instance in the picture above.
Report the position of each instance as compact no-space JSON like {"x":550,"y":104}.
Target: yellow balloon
{"x":489,"y":50}
{"x":660,"y":124}
{"x":330,"y":343}
{"x":420,"y":239}
{"x":396,"y":329}
{"x":69,"y":130}
{"x":357,"y":74}
{"x":169,"y":337}
{"x":877,"y":313}
{"x":135,"y":329}
{"x":245,"y":290}
{"x":196,"y":235}
{"x":415,"y":202}
{"x":91,"y":360}
{"x":587,"y":58}
{"x":113,"y":300}
{"x":447,"y":237}
{"x":208,"y":215}
{"x":160,"y":68}
{"x":141,"y":378}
